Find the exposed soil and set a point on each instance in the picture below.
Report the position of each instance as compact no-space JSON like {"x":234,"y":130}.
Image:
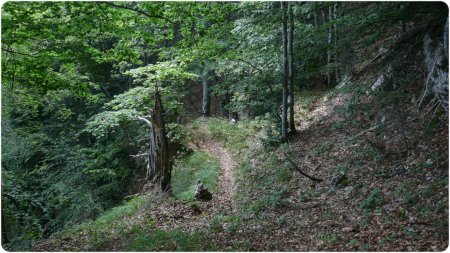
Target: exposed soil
{"x":226,"y":179}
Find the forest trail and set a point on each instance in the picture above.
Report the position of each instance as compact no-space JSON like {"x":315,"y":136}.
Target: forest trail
{"x":227,"y":164}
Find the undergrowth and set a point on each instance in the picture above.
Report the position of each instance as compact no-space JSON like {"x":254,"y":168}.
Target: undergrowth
{"x":116,"y":222}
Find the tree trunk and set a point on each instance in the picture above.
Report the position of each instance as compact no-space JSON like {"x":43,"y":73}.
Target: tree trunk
{"x":159,"y":149}
{"x":336,"y":56}
{"x":446,"y":39}
{"x":285,"y":73}
{"x":206,"y":105}
{"x":324,"y":17}
{"x":402,"y":22}
{"x":329,"y":49}
{"x":291,"y":68}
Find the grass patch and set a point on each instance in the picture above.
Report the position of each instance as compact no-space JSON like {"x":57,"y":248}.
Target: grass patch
{"x":233,"y":136}
{"x":375,"y":199}
{"x":199,"y":165}
{"x":171,"y":240}
{"x":117,"y":222}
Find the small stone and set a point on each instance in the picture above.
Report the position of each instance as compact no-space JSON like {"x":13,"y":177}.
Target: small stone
{"x":399,"y":170}
{"x":388,"y":207}
{"x":201,"y":193}
{"x":429,"y":177}
{"x":421,"y":147}
{"x":347,"y":229}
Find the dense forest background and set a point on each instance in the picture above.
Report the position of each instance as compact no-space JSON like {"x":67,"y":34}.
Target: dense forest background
{"x":79,"y":79}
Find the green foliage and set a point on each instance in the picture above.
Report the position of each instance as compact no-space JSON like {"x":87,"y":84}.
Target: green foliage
{"x":233,"y":136}
{"x":329,"y":238}
{"x":118,"y":221}
{"x":199,"y":165}
{"x":375,"y":199}
{"x":128,"y":209}
{"x":272,"y":135}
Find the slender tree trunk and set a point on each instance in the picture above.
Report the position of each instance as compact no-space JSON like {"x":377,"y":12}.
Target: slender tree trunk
{"x":446,"y":39}
{"x":285,"y":73}
{"x":324,"y":16}
{"x":336,"y":56}
{"x":291,"y":68}
{"x":206,"y":105}
{"x":165,"y":44}
{"x":402,"y":22}
{"x":329,"y":49}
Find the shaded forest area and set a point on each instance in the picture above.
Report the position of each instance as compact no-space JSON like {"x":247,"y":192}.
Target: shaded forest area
{"x":314,"y":125}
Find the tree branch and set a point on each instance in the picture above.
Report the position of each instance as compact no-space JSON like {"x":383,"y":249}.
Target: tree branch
{"x":103,"y":11}
{"x":301,"y":172}
{"x":138,"y":11}
{"x":20,"y":53}
{"x":145,"y":120}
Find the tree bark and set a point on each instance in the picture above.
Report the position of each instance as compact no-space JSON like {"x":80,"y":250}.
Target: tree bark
{"x":336,"y":56}
{"x":446,"y":39}
{"x":291,"y":68}
{"x":302,"y":172}
{"x":315,"y":20}
{"x":206,"y":105}
{"x":285,"y":73}
{"x":329,"y":48}
{"x":160,"y":166}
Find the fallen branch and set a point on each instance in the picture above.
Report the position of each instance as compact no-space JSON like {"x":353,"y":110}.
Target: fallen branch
{"x":303,"y":173}
{"x":368,"y":130}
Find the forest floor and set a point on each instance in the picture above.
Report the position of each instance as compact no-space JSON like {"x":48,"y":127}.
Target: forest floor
{"x":389,"y":199}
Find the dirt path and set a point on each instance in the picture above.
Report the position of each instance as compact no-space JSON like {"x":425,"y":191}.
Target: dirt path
{"x":226,"y":179}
